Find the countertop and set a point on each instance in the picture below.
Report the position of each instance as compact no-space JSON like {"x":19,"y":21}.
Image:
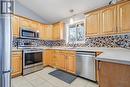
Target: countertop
{"x":16,"y":50}
{"x":115,"y":55}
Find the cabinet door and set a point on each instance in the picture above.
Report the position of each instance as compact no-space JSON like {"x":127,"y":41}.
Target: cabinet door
{"x":34,"y":25}
{"x":114,"y":75}
{"x":44,"y":32}
{"x":60,"y":61}
{"x":58,"y":31}
{"x":40,"y":30}
{"x":108,"y":20}
{"x":62,"y":25}
{"x":25,"y":22}
{"x":49,"y":58}
{"x":16,"y":64}
{"x":71,"y":63}
{"x":92,"y":24}
{"x":15,"y":25}
{"x":47,"y":32}
{"x":124,"y":17}
{"x":45,"y":58}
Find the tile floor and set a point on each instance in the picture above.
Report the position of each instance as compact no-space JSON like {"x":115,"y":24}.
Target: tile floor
{"x":43,"y":79}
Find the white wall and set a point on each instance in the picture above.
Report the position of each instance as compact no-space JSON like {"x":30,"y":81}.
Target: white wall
{"x":23,"y":11}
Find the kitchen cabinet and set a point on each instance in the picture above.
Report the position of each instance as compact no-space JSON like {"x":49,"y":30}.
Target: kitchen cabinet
{"x":47,"y":32}
{"x":124,"y":17}
{"x":40,"y":30}
{"x":114,"y":75}
{"x":60,"y":61}
{"x":71,"y":62}
{"x":64,"y":60}
{"x":34,"y":26}
{"x":48,"y":58}
{"x":25,"y":23}
{"x":15,"y":25}
{"x":30,"y":24}
{"x":92,"y":23}
{"x":108,"y":21}
{"x":16,"y":64}
{"x":57,"y":32}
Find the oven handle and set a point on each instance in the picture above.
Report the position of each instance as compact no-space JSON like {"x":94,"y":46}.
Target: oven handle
{"x":32,"y":51}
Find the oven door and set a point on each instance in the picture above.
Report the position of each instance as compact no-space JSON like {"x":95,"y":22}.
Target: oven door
{"x":32,"y":58}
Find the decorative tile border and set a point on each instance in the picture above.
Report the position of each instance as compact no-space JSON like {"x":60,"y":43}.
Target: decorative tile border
{"x":109,"y":41}
{"x":105,"y":41}
{"x":20,"y":42}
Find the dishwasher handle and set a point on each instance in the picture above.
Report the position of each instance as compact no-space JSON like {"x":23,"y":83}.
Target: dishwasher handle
{"x":84,"y":55}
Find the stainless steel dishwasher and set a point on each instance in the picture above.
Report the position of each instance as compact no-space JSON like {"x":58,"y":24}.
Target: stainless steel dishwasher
{"x":85,"y":62}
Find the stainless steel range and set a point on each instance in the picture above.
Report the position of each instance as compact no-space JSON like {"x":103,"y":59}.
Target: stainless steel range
{"x":32,"y":60}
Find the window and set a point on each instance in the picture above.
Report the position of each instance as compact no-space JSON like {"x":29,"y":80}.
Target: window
{"x":76,"y":33}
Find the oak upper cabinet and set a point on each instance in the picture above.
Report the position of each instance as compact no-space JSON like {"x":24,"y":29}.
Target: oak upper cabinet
{"x":40,"y":30}
{"x":108,"y":21}
{"x":114,"y":75}
{"x":25,"y":22}
{"x":92,"y":23}
{"x":124,"y":17}
{"x":16,"y":64}
{"x":60,"y":60}
{"x":47,"y":32}
{"x":34,"y":26}
{"x":71,"y":62}
{"x":15,"y":25}
{"x":57,"y":32}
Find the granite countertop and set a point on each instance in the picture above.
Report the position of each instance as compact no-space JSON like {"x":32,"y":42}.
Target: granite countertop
{"x":116,"y":55}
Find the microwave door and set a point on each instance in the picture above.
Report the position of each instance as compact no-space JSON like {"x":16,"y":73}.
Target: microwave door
{"x":26,"y":33}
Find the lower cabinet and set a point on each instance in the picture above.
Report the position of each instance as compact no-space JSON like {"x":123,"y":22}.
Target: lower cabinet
{"x":16,"y":64}
{"x":48,"y":58}
{"x":71,"y":63}
{"x":60,"y":60}
{"x":114,"y":75}
{"x":64,"y":60}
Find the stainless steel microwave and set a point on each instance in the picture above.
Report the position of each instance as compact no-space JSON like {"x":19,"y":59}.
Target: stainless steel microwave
{"x":29,"y":34}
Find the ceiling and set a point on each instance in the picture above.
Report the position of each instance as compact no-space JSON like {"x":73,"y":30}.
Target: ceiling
{"x":55,"y":10}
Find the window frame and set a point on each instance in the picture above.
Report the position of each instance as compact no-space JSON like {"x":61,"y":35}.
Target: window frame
{"x":68,"y":33}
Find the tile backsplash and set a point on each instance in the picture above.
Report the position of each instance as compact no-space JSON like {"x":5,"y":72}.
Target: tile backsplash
{"x":122,"y":40}
{"x":37,"y":43}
